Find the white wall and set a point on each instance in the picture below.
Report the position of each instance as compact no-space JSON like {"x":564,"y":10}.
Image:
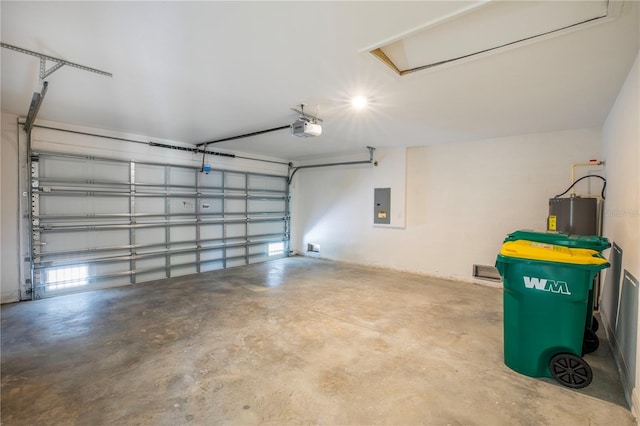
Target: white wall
{"x":620,"y":143}
{"x":462,"y":199}
{"x":9,"y":169}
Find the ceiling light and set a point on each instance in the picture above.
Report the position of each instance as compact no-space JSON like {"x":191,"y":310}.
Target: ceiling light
{"x":359,"y":102}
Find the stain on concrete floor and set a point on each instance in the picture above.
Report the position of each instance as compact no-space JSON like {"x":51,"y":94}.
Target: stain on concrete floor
{"x":294,"y":341}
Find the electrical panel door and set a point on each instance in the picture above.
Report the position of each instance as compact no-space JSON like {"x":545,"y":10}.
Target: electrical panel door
{"x":382,"y":206}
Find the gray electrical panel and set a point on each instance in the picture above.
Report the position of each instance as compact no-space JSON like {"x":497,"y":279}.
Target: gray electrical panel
{"x":382,"y":205}
{"x":573,"y":215}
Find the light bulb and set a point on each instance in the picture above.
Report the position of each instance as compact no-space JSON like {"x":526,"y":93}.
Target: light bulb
{"x":359,"y":102}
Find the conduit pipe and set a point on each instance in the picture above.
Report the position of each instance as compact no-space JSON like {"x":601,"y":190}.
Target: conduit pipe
{"x":345,"y":163}
{"x":573,"y":171}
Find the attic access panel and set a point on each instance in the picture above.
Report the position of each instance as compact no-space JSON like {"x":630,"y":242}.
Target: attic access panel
{"x":485,"y":27}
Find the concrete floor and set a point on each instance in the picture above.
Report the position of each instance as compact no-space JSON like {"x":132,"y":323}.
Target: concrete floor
{"x":294,"y":341}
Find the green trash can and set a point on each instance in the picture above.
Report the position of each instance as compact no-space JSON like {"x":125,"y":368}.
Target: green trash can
{"x":546,"y":288}
{"x":592,"y":242}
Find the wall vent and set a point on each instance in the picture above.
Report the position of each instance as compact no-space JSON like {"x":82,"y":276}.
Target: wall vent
{"x":485,"y":272}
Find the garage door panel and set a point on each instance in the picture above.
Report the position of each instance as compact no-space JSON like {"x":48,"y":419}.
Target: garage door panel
{"x":182,"y":205}
{"x":235,"y":230}
{"x":82,"y":240}
{"x":266,"y":206}
{"x":109,"y":282}
{"x":109,"y":171}
{"x":211,"y":232}
{"x":64,"y":168}
{"x":81,"y":169}
{"x":60,"y":205}
{"x":183,"y":233}
{"x":182,"y":259}
{"x":235,"y":251}
{"x":110,"y":268}
{"x":213,"y":180}
{"x":262,"y":228}
{"x":211,"y":266}
{"x":147,"y":174}
{"x":181,"y":176}
{"x":234,"y":206}
{"x":144,"y":276}
{"x":206,"y":255}
{"x":210,"y":205}
{"x":183,"y":270}
{"x":108,"y":205}
{"x":261,"y":258}
{"x":150,"y":205}
{"x":259,"y":182}
{"x":232,"y":263}
{"x":85,"y":257}
{"x":151,"y":263}
{"x":82,"y":205}
{"x":119,"y":222}
{"x":258,"y":248}
{"x":147,"y":236}
{"x":234,"y":180}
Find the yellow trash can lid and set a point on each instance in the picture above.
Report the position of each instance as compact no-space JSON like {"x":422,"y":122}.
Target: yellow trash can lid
{"x":524,"y":249}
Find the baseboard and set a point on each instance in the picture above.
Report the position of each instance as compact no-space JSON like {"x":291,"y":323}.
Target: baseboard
{"x":470,"y":280}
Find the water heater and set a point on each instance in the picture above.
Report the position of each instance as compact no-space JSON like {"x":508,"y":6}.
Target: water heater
{"x":574,"y":215}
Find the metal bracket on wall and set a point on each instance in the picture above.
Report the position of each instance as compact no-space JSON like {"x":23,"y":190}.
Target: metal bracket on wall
{"x":44,"y":72}
{"x":36,"y":100}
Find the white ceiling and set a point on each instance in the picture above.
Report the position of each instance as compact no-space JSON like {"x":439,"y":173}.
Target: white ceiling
{"x":487,"y":25}
{"x":198,"y":71}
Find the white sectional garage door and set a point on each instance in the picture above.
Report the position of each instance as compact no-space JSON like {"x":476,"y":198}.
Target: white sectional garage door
{"x":99,"y":222}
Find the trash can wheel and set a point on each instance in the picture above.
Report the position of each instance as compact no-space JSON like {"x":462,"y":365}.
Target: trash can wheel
{"x":595,"y":325}
{"x":570,"y":370}
{"x":590,"y":343}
